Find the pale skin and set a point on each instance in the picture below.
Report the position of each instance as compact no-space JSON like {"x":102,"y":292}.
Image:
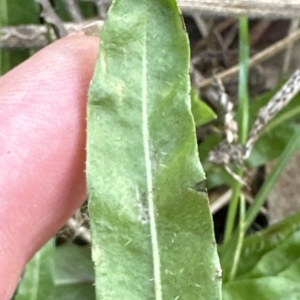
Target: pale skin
{"x":42,"y":149}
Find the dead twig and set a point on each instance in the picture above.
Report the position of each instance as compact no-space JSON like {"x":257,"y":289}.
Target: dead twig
{"x":287,"y":57}
{"x":73,"y":10}
{"x":256,"y":59}
{"x":52,"y":18}
{"x":35,"y":36}
{"x":251,"y":8}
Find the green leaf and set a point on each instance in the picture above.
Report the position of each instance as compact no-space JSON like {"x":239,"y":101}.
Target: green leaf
{"x":152,"y":232}
{"x":257,"y":245}
{"x":202,"y":113}
{"x":62,"y":273}
{"x":266,"y":254}
{"x":37,"y":282}
{"x":278,"y":259}
{"x":293,"y":271}
{"x":74,"y":274}
{"x":80,"y":291}
{"x":265,"y":288}
{"x":73,"y":265}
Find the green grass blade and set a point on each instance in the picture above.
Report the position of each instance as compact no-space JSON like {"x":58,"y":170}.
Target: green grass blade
{"x":243,"y":109}
{"x":152,"y":232}
{"x":239,"y":245}
{"x":243,"y":120}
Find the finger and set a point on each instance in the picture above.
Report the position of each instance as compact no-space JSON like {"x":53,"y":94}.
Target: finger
{"x":42,"y":142}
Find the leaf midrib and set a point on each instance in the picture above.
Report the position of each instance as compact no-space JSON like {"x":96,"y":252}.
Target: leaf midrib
{"x":148,"y":165}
